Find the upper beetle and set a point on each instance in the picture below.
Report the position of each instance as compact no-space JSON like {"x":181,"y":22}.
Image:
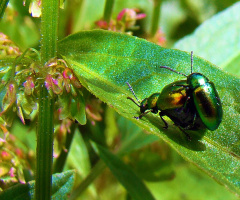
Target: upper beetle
{"x":205,"y":97}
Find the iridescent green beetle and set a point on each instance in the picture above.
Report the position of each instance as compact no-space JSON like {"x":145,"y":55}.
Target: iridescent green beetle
{"x":191,"y":104}
{"x":205,"y":97}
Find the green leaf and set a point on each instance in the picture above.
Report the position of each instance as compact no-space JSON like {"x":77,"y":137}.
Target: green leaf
{"x":21,"y":26}
{"x":189,"y":183}
{"x":200,"y":10}
{"x":62,"y":184}
{"x":125,"y":175}
{"x":132,"y":137}
{"x":5,"y":69}
{"x":217,"y":40}
{"x":73,"y":107}
{"x":78,"y":157}
{"x":104,"y":61}
{"x":149,"y":157}
{"x":3,"y":5}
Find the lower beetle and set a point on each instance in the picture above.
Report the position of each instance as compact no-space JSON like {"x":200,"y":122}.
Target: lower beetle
{"x":191,"y":104}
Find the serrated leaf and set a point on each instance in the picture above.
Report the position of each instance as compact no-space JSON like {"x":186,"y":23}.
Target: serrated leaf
{"x":62,"y":184}
{"x":104,"y":61}
{"x":125,"y":175}
{"x":217,"y":40}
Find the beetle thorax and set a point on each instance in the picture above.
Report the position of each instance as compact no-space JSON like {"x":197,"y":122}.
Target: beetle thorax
{"x":144,"y":105}
{"x":196,"y":79}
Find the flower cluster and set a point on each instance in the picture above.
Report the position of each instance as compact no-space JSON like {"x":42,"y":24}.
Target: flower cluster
{"x":13,"y":160}
{"x":126,"y":20}
{"x":59,"y":78}
{"x":7,"y":47}
{"x":21,"y":90}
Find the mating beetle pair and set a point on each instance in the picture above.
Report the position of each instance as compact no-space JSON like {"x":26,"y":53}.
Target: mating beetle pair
{"x":192,"y":104}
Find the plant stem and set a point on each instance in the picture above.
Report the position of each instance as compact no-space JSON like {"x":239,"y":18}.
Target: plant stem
{"x":49,"y":27}
{"x":44,"y":146}
{"x":97,"y":169}
{"x":108,"y":10}
{"x":3,"y":5}
{"x":155,"y":17}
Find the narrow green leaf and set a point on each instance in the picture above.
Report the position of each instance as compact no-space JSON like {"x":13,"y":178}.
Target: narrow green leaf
{"x":109,"y":4}
{"x":3,"y":5}
{"x":104,"y":61}
{"x":217,"y":40}
{"x":132,"y":137}
{"x":125,"y":175}
{"x":155,"y":18}
{"x":78,"y":157}
{"x":62,"y":185}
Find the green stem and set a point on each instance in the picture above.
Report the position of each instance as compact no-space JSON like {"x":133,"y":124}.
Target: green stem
{"x":49,"y":27}
{"x":3,"y":5}
{"x":44,"y":146}
{"x":97,"y":169}
{"x":108,"y":10}
{"x":155,"y":17}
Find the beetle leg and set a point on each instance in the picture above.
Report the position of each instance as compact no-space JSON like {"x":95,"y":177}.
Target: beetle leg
{"x":190,"y":126}
{"x":185,"y":107}
{"x":180,"y":85}
{"x":161,"y":114}
{"x":187,"y":135}
{"x":194,"y":119}
{"x":142,"y":114}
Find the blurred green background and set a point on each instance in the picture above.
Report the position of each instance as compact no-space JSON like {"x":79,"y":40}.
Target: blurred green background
{"x":165,"y":173}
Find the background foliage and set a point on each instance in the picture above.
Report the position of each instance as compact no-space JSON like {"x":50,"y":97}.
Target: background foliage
{"x":112,"y":156}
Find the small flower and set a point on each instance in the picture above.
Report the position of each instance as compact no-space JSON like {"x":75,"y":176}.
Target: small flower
{"x":68,"y":74}
{"x":61,"y":132}
{"x":70,"y":81}
{"x":159,"y":38}
{"x":6,"y":156}
{"x":93,"y":110}
{"x":12,"y":172}
{"x":126,"y":19}
{"x":102,"y":24}
{"x":9,"y":98}
{"x":7,"y":47}
{"x":19,"y":152}
{"x":130,"y":16}
{"x":3,"y":131}
{"x":35,"y":8}
{"x":29,"y":85}
{"x":53,"y":85}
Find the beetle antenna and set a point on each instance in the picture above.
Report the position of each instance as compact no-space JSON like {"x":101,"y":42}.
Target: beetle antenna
{"x":165,"y":67}
{"x":130,"y":87}
{"x":133,"y":101}
{"x":191,"y":61}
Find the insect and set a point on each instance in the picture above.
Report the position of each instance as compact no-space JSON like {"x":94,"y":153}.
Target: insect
{"x":192,"y":104}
